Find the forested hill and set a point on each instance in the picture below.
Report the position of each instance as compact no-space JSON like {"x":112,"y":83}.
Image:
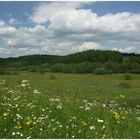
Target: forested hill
{"x":85,"y":56}
{"x":90,"y":59}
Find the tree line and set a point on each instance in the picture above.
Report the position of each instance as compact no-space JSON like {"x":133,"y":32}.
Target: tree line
{"x":90,"y":61}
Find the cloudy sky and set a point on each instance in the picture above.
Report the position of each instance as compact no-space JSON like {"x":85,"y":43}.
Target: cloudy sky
{"x":66,"y":27}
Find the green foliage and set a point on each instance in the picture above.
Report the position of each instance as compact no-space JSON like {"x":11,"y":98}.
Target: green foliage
{"x":56,"y":68}
{"x":81,"y":62}
{"x":85,"y":67}
{"x":42,"y":71}
{"x":2,"y":71}
{"x":100,"y":71}
{"x":109,"y":71}
{"x":101,"y":56}
{"x":34,"y":68}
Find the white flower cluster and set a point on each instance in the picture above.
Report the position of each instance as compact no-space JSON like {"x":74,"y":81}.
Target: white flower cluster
{"x":35,"y":91}
{"x":86,"y":105}
{"x":2,"y":82}
{"x":25,"y":83}
{"x":54,"y":100}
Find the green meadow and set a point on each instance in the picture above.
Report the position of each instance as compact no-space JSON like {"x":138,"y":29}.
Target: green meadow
{"x":58,"y":105}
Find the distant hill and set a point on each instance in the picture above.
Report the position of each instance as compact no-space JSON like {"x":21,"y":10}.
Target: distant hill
{"x":96,"y":58}
{"x":89,"y":55}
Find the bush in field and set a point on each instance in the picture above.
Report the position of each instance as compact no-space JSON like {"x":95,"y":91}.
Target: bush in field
{"x":109,"y":71}
{"x":124,"y":85}
{"x":127,"y":76}
{"x":52,"y":77}
{"x":100,"y":71}
{"x":2,"y":71}
{"x":42,"y":71}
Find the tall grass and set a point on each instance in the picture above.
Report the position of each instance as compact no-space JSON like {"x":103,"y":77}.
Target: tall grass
{"x":27,"y":112}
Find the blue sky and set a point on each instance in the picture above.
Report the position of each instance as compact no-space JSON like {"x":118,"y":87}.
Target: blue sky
{"x":104,"y":7}
{"x":67,"y":27}
{"x":17,"y":10}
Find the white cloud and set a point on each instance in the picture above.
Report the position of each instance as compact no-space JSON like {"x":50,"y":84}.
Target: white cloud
{"x":7,"y":31}
{"x":13,"y":21}
{"x":70,"y":22}
{"x":89,"y":46}
{"x":2,"y":23}
{"x":128,"y":49}
{"x":73,"y":21}
{"x":12,"y":51}
{"x":28,"y":37}
{"x":46,"y":10}
{"x":70,"y":16}
{"x":71,"y":29}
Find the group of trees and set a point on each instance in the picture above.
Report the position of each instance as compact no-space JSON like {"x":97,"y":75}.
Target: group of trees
{"x":97,"y":68}
{"x":91,"y":61}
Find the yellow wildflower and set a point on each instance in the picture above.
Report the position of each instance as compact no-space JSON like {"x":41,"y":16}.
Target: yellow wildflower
{"x":19,"y":127}
{"x":83,"y":123}
{"x":28,"y":122}
{"x":34,"y":123}
{"x":116,"y":115}
{"x":5,"y":114}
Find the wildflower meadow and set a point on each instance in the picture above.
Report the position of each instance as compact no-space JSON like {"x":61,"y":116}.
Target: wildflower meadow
{"x":70,"y":106}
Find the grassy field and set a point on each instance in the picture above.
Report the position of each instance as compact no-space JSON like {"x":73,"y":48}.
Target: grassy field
{"x":56,"y":105}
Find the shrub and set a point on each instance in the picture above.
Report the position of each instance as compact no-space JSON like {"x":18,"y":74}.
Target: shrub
{"x":42,"y":71}
{"x":109,"y":71}
{"x":124,"y":85}
{"x":127,"y":76}
{"x":52,"y":77}
{"x":100,"y":71}
{"x":2,"y":71}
